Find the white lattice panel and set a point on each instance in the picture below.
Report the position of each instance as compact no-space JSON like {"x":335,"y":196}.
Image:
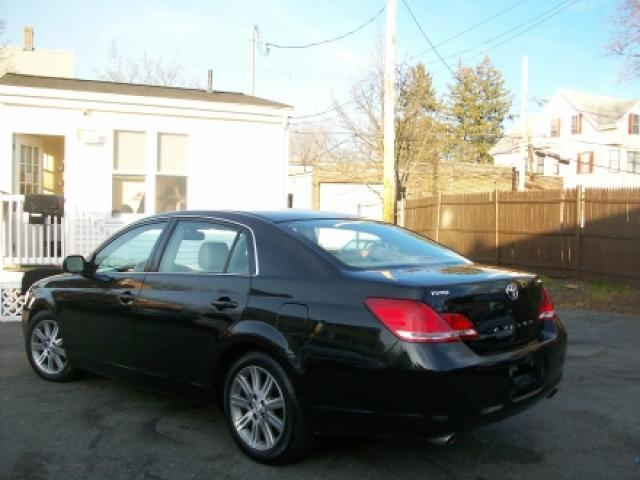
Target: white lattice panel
{"x":12,"y":301}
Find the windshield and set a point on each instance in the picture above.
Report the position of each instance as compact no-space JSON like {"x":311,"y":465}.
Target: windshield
{"x":365,"y":245}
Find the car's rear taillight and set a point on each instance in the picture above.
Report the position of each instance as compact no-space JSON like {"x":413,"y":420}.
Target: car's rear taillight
{"x":546,"y":310}
{"x":415,"y":321}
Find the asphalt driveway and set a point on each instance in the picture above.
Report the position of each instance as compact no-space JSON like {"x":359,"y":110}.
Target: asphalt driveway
{"x":97,"y":428}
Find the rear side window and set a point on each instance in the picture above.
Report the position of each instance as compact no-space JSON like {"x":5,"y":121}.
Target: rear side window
{"x":203,"y":247}
{"x":361,"y":244}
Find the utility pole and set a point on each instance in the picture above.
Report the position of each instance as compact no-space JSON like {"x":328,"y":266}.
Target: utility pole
{"x":524,"y":122}
{"x":254,"y":41}
{"x":389,"y":205}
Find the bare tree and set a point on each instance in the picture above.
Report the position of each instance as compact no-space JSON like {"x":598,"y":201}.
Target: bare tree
{"x":4,"y":57}
{"x":625,"y":38}
{"x":417,"y":129}
{"x":309,"y":146}
{"x":146,"y":70}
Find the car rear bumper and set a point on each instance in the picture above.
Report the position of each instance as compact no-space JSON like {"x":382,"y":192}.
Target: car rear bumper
{"x":432,"y":401}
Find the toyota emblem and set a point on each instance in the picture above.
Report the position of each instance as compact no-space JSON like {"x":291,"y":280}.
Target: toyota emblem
{"x":512,"y":291}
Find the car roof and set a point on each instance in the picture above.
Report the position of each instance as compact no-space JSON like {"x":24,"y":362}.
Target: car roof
{"x":274,"y":216}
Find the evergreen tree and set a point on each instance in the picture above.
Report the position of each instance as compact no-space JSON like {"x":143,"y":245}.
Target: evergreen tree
{"x":478,"y":103}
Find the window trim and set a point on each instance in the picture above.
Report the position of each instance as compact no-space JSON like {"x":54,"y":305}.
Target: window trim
{"x":157,"y":256}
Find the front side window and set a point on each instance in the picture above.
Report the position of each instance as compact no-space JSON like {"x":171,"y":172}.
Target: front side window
{"x":555,"y":128}
{"x":128,"y":186}
{"x":204,"y":247}
{"x":364,"y":245}
{"x":130,"y":251}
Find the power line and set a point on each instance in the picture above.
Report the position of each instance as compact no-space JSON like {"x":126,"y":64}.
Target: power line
{"x":426,"y":37}
{"x":559,"y":8}
{"x":472,"y":27}
{"x":330,"y":149}
{"x":329,"y":40}
{"x":132,"y":59}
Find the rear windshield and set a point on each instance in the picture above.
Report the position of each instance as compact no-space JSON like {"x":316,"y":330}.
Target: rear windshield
{"x":362,"y":244}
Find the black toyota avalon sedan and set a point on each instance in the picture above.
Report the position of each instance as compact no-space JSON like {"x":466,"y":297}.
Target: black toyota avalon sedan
{"x":298,"y":323}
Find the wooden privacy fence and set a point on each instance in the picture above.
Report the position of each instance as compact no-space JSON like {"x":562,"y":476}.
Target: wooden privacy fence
{"x":591,"y":234}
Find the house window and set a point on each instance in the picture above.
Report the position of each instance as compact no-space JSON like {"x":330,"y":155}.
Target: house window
{"x":634,"y":123}
{"x":555,"y":127}
{"x":633,"y":162}
{"x":30,"y":170}
{"x":585,"y":162}
{"x":128,"y":184}
{"x":576,"y":124}
{"x":48,"y":174}
{"x":556,"y":167}
{"x":614,"y":160}
{"x":539,"y":164}
{"x":171,"y":178}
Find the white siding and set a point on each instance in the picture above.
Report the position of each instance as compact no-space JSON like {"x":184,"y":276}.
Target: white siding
{"x":235,"y":162}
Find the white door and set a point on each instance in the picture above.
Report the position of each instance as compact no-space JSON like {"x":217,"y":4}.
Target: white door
{"x":27,"y":171}
{"x":355,"y":198}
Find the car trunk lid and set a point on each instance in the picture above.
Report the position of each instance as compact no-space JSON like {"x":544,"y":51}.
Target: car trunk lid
{"x":502,"y":304}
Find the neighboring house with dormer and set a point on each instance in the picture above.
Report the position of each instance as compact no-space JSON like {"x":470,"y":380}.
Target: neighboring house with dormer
{"x":589,"y":140}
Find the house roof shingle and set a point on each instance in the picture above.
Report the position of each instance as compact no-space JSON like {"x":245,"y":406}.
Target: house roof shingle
{"x":98,"y":86}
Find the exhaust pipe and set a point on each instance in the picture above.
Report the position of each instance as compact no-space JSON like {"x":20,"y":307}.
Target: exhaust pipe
{"x":445,"y":440}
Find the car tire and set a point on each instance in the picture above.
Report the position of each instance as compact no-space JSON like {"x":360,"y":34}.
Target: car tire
{"x":45,"y":349}
{"x":263,"y":411}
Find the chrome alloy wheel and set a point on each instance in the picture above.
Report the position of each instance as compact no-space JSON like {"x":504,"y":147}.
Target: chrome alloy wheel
{"x":257,"y":407}
{"x":47,"y":351}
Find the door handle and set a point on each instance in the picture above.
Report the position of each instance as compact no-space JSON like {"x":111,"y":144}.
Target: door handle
{"x":127,"y":297}
{"x":224,"y":303}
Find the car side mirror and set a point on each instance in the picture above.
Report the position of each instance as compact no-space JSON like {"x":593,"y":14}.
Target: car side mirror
{"x":74,"y":264}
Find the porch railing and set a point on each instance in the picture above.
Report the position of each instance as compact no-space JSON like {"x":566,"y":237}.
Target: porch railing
{"x":25,"y":244}
{"x":22,"y":243}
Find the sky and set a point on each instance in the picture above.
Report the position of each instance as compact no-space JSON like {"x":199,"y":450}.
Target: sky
{"x":564,"y":51}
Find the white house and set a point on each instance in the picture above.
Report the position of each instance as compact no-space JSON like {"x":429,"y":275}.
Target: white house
{"x":587,"y":139}
{"x":28,"y":60}
{"x":115,"y":152}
